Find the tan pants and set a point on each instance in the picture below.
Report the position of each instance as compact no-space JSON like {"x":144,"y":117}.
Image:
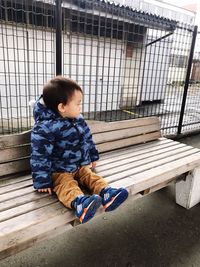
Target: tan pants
{"x":66,"y":185}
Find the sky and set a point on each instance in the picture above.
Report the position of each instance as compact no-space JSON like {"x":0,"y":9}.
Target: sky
{"x":180,"y":2}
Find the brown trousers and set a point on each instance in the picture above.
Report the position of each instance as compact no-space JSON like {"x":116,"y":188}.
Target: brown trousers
{"x":66,"y":185}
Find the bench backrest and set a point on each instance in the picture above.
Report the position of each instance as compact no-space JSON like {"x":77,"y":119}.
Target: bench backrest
{"x":15,"y":149}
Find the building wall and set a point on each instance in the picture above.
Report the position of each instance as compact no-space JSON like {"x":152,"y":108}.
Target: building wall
{"x":98,"y":66}
{"x":27,"y":62}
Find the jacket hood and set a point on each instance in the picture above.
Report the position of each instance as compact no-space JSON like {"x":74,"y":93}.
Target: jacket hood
{"x":41,"y":112}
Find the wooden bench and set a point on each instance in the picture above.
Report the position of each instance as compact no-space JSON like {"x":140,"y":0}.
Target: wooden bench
{"x":133,"y":155}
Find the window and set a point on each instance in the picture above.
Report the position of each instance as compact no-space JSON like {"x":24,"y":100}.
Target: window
{"x":179,"y":61}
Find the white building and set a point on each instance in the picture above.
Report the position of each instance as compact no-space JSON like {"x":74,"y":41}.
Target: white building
{"x":119,"y":55}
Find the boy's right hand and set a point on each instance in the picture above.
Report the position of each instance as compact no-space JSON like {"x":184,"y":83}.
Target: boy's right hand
{"x":44,"y":190}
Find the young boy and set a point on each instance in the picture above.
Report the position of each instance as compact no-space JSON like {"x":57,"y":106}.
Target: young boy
{"x":63,"y":152}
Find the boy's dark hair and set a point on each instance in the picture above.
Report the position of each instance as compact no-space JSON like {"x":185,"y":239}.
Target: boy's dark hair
{"x":59,"y":90}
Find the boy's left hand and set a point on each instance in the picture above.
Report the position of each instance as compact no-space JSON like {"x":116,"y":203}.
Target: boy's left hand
{"x":45,"y":190}
{"x":94,"y":164}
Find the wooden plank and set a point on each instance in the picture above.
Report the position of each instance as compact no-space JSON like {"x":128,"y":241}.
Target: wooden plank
{"x":13,"y":153}
{"x":15,"y":166}
{"x":15,"y":139}
{"x":24,"y":138}
{"x":27,"y":207}
{"x":120,"y":151}
{"x":32,"y":217}
{"x":113,"y":162}
{"x":127,"y":142}
{"x":12,"y":180}
{"x":161,"y":185}
{"x":144,"y":153}
{"x":16,"y":193}
{"x":15,"y":186}
{"x":16,"y":241}
{"x":124,"y":133}
{"x":141,"y":181}
{"x":111,"y":126}
{"x":129,"y":171}
{"x":22,"y":199}
{"x":136,"y":159}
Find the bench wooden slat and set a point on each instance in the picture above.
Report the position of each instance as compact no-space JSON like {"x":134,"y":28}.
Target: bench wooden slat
{"x":25,"y":208}
{"x":33,"y":217}
{"x":13,"y":153}
{"x":20,"y":182}
{"x":17,"y":139}
{"x":24,"y":138}
{"x":142,"y":148}
{"x":12,"y":187}
{"x":25,"y":238}
{"x":136,"y":161}
{"x":112,"y":126}
{"x":107,"y":168}
{"x":124,"y":133}
{"x":16,"y":193}
{"x":20,"y":200}
{"x":21,"y":165}
{"x":121,"y":151}
{"x":168,"y":172}
{"x":14,"y":180}
{"x":159,"y":174}
{"x":127,"y":142}
{"x":143,"y":153}
{"x":197,"y":149}
{"x":144,"y":156}
{"x":143,"y":168}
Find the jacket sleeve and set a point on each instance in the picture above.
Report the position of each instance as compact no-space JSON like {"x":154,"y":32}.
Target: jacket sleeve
{"x":94,"y":154}
{"x":42,"y":141}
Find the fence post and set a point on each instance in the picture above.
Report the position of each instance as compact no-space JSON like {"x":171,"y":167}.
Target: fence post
{"x":187,"y":79}
{"x":58,"y":18}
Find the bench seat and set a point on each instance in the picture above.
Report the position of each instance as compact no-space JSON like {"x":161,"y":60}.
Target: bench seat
{"x":28,"y":216}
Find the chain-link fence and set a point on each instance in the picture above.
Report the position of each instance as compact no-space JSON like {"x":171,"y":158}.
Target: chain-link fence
{"x":27,"y":59}
{"x":129,"y":63}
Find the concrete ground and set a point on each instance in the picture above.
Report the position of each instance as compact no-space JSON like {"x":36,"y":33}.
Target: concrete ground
{"x":148,"y":232}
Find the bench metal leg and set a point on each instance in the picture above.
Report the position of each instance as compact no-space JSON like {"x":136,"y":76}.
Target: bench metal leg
{"x":188,"y":190}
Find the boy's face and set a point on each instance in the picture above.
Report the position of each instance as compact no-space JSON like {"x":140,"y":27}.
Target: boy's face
{"x":73,"y":108}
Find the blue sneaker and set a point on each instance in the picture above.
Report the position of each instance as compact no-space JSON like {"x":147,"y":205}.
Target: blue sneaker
{"x":86,"y":207}
{"x":113,"y":198}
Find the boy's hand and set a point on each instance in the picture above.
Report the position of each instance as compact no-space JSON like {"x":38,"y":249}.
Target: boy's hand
{"x":94,"y":164}
{"x":44,"y":190}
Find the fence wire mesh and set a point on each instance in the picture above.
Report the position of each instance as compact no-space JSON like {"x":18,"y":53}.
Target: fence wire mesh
{"x":130,"y":64}
{"x":191,"y":119}
{"x":26,"y":58}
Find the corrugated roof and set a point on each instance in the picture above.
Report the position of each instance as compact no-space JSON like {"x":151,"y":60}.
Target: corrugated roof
{"x":128,"y":13}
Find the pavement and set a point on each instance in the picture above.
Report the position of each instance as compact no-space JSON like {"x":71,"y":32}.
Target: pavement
{"x":148,"y":232}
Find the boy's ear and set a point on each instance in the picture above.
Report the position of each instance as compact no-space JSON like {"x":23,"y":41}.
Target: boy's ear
{"x":61,"y":108}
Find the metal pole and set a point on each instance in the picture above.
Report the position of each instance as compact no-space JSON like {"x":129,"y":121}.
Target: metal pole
{"x":187,"y":79}
{"x":58,"y":17}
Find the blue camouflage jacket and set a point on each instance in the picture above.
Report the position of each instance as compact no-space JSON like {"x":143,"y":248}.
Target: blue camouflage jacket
{"x":58,"y":145}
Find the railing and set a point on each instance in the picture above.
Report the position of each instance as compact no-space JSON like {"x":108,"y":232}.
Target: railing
{"x":130,"y":64}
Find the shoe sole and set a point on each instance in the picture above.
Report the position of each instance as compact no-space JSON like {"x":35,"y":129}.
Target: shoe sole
{"x":116,"y":201}
{"x":90,"y":210}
